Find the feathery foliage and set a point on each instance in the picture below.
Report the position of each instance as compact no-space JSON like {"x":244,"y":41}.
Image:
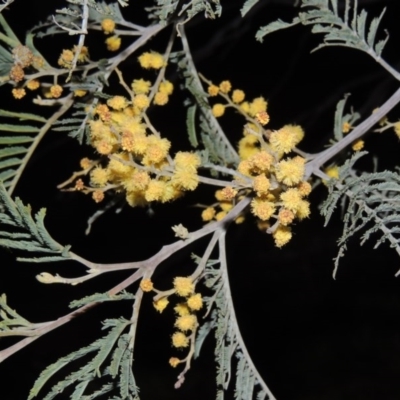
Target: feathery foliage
{"x":10,"y":319}
{"x":229,"y":342}
{"x":371,"y":208}
{"x":22,"y":232}
{"x":93,"y":368}
{"x":100,"y":298}
{"x":15,"y":142}
{"x":349,"y":30}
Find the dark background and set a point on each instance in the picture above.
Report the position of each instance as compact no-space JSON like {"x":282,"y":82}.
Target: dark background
{"x":310,"y":336}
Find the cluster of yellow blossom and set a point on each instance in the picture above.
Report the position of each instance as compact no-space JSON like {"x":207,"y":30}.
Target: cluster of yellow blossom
{"x":137,"y":160}
{"x":266,"y":171}
{"x":113,"y":43}
{"x":67,"y":56}
{"x":225,"y":202}
{"x":23,"y":58}
{"x":257,"y":108}
{"x":186,"y":319}
{"x":137,"y":163}
{"x":277,"y":181}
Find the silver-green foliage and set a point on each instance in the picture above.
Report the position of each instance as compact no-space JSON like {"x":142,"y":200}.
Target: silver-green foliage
{"x":372,"y":206}
{"x":20,"y":231}
{"x":166,"y":9}
{"x":113,"y":358}
{"x":100,"y":298}
{"x":10,"y":319}
{"x":349,"y":30}
{"x":231,"y":354}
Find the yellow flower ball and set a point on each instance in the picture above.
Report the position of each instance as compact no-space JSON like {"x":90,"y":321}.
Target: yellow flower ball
{"x":183,"y":286}
{"x":218,"y":110}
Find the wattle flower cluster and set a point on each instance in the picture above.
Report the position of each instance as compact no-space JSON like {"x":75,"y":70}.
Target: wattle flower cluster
{"x":266,"y":171}
{"x":136,"y":160}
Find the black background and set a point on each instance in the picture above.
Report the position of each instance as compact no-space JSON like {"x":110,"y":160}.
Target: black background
{"x":310,"y":336}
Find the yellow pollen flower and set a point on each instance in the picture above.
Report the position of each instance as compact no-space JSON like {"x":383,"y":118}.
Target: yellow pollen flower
{"x":66,"y":58}
{"x":155,"y":190}
{"x":151,"y":60}
{"x":332,"y":172}
{"x":104,"y":147}
{"x":182,"y":309}
{"x":282,"y":235}
{"x":245,"y":107}
{"x":225,"y":87}
{"x":108,"y":25}
{"x":79,"y":185}
{"x":141,"y":101}
{"x":208,"y":214}
{"x":285,"y":216}
{"x":195,"y":302}
{"x":117,"y":102}
{"x":161,"y":304}
{"x":257,"y":105}
{"x":85,"y":163}
{"x":226,"y":205}
{"x":185,"y":179}
{"x":18,"y":93}
{"x":248,"y":146}
{"x":186,"y":322}
{"x":146,"y":285}
{"x":213,"y":90}
{"x":238,"y":96}
{"x":346,"y":127}
{"x":261,"y":185}
{"x":140,"y":86}
{"x":99,"y":177}
{"x":139,"y":180}
{"x":17,"y":73}
{"x":262,"y":117}
{"x":290,"y":172}
{"x":173,"y":362}
{"x":187,"y":160}
{"x":262,"y":209}
{"x":358,"y":145}
{"x":184,"y":286}
{"x":56,"y":91}
{"x":291,"y":199}
{"x":83,"y":55}
{"x":221,"y":215}
{"x":166,"y":87}
{"x":98,"y":196}
{"x":160,"y":99}
{"x":113,"y":43}
{"x":286,"y":138}
{"x":261,"y":161}
{"x":304,"y":188}
{"x":244,"y":167}
{"x":79,"y":93}
{"x":218,"y":110}
{"x":228,"y":193}
{"x":179,"y":339}
{"x":33,"y":84}
{"x":303,"y":210}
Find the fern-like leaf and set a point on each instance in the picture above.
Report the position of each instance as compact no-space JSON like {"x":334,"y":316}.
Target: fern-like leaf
{"x":89,"y":371}
{"x":229,"y":343}
{"x":36,"y":239}
{"x":349,"y":30}
{"x":371,"y":207}
{"x":100,"y":298}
